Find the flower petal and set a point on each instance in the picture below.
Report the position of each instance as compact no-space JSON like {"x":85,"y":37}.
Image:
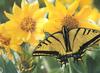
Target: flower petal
{"x":94,"y":15}
{"x":52,"y":26}
{"x":23,"y":3}
{"x":73,"y":7}
{"x":15,"y":45}
{"x":8,"y":15}
{"x":39,"y":13}
{"x":84,"y":13}
{"x":89,"y":25}
{"x":40,"y":25}
{"x":85,"y":2}
{"x":24,"y":6}
{"x":60,"y":6}
{"x":16,"y":9}
{"x":49,"y":5}
{"x":34,"y":6}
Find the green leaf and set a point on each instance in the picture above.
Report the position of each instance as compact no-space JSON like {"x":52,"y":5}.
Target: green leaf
{"x":10,"y":67}
{"x":2,"y":66}
{"x":93,"y":61}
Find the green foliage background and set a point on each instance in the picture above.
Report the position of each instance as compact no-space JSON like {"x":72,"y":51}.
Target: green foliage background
{"x":90,"y":64}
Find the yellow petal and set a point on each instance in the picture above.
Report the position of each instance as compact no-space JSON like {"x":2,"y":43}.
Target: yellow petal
{"x":52,"y":26}
{"x":23,"y":3}
{"x":16,"y":9}
{"x":8,"y":15}
{"x":89,"y":25}
{"x":99,"y":15}
{"x":40,"y":25}
{"x":55,"y":15}
{"x":84,"y":13}
{"x":60,"y":7}
{"x":49,"y":5}
{"x":73,"y":7}
{"x":15,"y":45}
{"x":34,"y":6}
{"x":24,"y":6}
{"x":1,"y":27}
{"x":12,"y":17}
{"x":94,"y":15}
{"x":51,"y":9}
{"x":85,"y":2}
{"x":40,"y":13}
{"x":32,"y":39}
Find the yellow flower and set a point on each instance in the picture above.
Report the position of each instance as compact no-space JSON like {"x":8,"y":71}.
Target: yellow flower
{"x":5,"y":41}
{"x":4,"y":37}
{"x":25,"y":23}
{"x":59,"y":16}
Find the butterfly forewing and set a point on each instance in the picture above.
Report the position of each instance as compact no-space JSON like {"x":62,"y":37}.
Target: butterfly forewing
{"x":53,"y":43}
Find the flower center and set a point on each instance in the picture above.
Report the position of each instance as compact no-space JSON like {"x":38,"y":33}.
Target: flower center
{"x":28,"y":24}
{"x":4,"y":40}
{"x":70,"y":22}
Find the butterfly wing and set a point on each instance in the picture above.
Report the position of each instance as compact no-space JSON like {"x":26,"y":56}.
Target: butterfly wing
{"x":53,"y":44}
{"x":82,"y":38}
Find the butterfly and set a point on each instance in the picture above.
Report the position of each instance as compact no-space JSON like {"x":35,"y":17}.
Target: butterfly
{"x":66,"y":43}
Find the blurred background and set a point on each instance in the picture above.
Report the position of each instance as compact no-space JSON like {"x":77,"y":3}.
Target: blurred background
{"x":90,"y":64}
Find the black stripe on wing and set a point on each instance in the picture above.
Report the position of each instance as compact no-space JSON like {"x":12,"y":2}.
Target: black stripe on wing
{"x":96,"y":41}
{"x":45,"y":53}
{"x":49,"y":41}
{"x":78,"y":55}
{"x":88,"y":32}
{"x":85,"y":32}
{"x":76,"y":33}
{"x":89,"y":43}
{"x":62,"y":59}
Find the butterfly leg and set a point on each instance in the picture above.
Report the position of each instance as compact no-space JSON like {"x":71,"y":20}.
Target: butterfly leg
{"x":77,"y":57}
{"x":63,"y":60}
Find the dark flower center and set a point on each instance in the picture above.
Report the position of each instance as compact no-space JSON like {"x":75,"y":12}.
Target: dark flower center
{"x":70,"y":22}
{"x":28,"y":24}
{"x":4,"y":40}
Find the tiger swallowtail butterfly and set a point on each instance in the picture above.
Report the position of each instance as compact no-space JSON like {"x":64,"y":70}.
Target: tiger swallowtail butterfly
{"x":66,"y":43}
